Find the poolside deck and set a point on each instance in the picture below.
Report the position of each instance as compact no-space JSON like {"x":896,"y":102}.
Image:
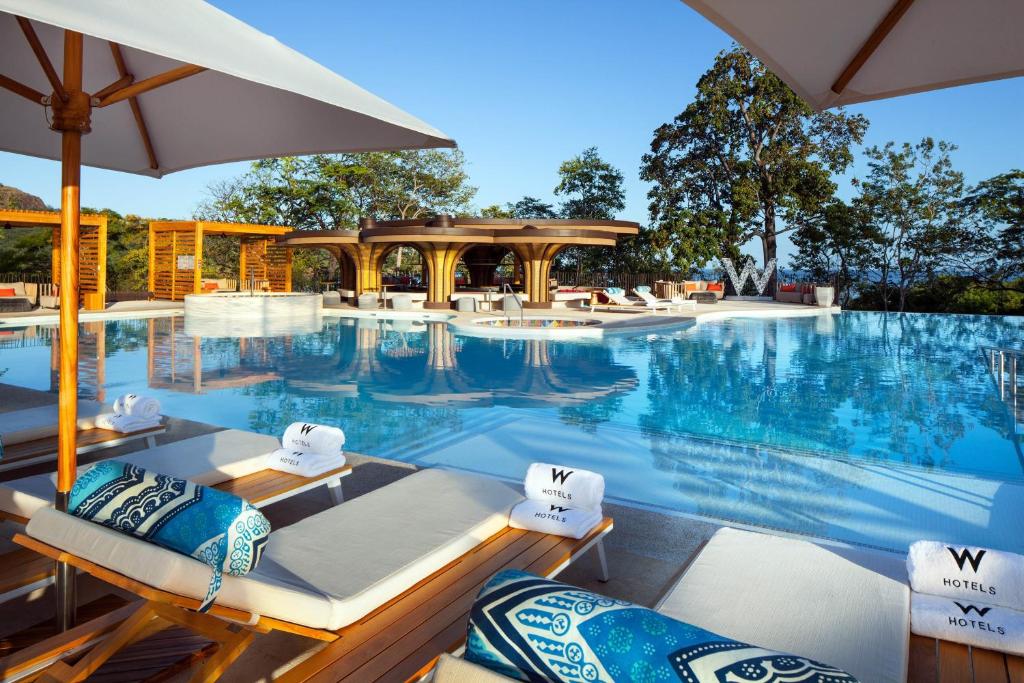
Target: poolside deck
{"x":645,"y":554}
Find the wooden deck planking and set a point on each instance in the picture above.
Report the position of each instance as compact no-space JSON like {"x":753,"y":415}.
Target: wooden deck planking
{"x":939,"y":661}
{"x":22,"y":567}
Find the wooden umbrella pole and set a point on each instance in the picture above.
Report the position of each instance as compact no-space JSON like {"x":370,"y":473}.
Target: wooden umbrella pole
{"x":71,"y":119}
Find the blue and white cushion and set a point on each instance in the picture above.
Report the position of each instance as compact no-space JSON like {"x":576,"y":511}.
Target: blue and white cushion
{"x":216,"y":528}
{"x":535,"y":629}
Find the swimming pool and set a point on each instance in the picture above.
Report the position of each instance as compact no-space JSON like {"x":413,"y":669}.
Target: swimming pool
{"x":863,"y":427}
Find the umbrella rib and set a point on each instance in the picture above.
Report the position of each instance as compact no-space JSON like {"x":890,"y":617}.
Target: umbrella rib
{"x":21,"y":89}
{"x":871,"y":44}
{"x":42,"y":58}
{"x":152,"y":83}
{"x":133,"y":102}
{"x":126,"y":79}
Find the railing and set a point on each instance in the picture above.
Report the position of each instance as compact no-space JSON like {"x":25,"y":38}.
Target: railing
{"x":1003,"y":365}
{"x":34,"y":278}
{"x":506,"y":291}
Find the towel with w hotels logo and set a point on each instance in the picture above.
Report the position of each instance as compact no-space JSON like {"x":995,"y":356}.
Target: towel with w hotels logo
{"x":967,"y":573}
{"x":970,"y":623}
{"x":566,"y":486}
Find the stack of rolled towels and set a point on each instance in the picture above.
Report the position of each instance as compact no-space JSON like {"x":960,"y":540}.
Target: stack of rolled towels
{"x":131,"y":413}
{"x":309,"y":450}
{"x":967,"y":594}
{"x":559,"y":500}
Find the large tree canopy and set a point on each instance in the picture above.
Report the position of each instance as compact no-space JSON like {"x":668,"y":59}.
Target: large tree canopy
{"x":746,"y":159}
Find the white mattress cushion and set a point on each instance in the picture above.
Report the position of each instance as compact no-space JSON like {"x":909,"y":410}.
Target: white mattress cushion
{"x":847,"y":608}
{"x":328,"y":570}
{"x":19,"y":426}
{"x":451,"y":669}
{"x":208,"y":460}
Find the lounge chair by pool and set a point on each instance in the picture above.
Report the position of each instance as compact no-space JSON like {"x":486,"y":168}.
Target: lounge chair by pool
{"x":30,"y":435}
{"x":230,"y":460}
{"x":645,"y":295}
{"x":619,"y":302}
{"x":848,"y":608}
{"x":389,"y":591}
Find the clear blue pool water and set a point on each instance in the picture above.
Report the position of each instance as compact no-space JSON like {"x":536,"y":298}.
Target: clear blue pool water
{"x":863,"y":427}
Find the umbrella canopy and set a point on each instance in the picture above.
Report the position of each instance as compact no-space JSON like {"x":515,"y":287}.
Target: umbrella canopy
{"x":156,"y":87}
{"x":240,"y":93}
{"x":834,"y":52}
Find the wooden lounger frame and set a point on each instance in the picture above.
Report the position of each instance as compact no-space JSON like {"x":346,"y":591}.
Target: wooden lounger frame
{"x":399,"y":640}
{"x":36,"y":451}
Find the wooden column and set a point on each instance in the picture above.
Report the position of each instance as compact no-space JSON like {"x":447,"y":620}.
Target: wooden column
{"x":197,"y":274}
{"x":152,"y":261}
{"x":537,"y":260}
{"x":71,"y":118}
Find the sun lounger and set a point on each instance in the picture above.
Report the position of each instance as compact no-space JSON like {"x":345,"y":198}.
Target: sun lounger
{"x":621,"y":303}
{"x":230,"y":460}
{"x":652,"y":301}
{"x":390,"y":590}
{"x":30,"y":435}
{"x":848,"y":608}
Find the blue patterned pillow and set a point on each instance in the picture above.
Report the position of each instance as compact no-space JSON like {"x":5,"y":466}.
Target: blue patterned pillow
{"x":534,"y":629}
{"x":216,"y":528}
{"x":643,"y":288}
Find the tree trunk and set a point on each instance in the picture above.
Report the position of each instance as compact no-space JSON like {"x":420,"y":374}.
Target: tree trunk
{"x":770,"y":246}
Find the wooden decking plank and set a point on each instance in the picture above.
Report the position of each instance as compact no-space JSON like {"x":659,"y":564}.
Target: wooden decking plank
{"x":1015,"y":668}
{"x":924,"y":660}
{"x":954,"y":663}
{"x":419,"y":646}
{"x":387,"y":628}
{"x":22,"y":567}
{"x":989,"y":666}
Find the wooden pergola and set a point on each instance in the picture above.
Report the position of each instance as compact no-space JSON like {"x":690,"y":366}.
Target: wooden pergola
{"x":176,"y":256}
{"x":92,"y":250}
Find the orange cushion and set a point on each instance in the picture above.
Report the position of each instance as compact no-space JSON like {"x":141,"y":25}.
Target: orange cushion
{"x":691,"y":287}
{"x":7,"y":291}
{"x":787,"y":288}
{"x":715,"y":287}
{"x":209,"y":286}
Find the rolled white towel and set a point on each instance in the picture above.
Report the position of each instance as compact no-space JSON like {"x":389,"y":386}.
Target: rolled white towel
{"x":971,"y":623}
{"x":552,"y":518}
{"x":137,"y":405}
{"x":125,"y":424}
{"x":313,"y":438}
{"x":303,"y":464}
{"x":564,"y":485}
{"x":967,"y":573}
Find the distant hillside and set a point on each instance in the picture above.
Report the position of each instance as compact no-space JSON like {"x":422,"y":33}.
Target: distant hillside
{"x":13,"y":198}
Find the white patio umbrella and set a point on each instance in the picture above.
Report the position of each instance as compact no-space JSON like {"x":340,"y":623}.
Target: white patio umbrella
{"x":159,"y":87}
{"x":834,"y":52}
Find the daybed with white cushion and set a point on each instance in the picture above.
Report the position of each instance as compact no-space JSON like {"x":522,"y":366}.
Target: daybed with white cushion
{"x":29,"y":436}
{"x":231,"y":460}
{"x":322,"y":576}
{"x":848,"y":608}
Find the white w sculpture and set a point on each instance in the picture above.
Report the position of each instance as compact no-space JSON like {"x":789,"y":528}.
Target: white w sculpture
{"x":760,"y":280}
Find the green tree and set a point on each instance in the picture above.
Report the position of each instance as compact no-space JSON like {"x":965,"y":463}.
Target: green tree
{"x":913,"y":198}
{"x":331,"y":192}
{"x":592,"y":190}
{"x":836,"y":246}
{"x":746,"y":159}
{"x":994,"y":253}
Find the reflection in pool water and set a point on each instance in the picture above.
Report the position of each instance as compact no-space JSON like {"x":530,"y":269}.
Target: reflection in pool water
{"x":869,"y":428}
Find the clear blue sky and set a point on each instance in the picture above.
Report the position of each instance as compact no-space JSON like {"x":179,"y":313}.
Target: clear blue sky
{"x":524,"y":85}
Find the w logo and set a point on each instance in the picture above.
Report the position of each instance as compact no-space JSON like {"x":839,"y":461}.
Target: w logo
{"x":967,"y":609}
{"x":560,"y":475}
{"x":555,"y":508}
{"x":306,"y":429}
{"x":760,"y":281}
{"x":965,"y":556}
